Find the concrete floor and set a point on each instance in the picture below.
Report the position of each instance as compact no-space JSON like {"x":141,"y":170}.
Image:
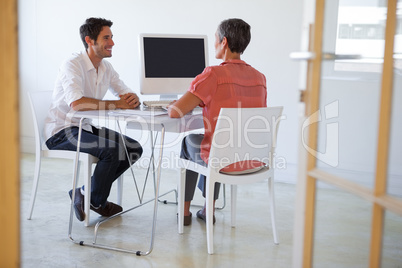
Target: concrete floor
{"x":342,"y":228}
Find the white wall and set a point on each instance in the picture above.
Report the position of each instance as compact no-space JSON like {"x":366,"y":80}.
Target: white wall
{"x":49,"y":33}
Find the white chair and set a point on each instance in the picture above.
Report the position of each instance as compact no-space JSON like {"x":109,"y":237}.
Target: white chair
{"x":40,"y":103}
{"x":240,"y":134}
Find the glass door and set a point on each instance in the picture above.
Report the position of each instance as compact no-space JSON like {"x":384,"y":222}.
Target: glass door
{"x":350,"y":137}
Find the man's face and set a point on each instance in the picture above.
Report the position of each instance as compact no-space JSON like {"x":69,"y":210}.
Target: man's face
{"x":103,"y":45}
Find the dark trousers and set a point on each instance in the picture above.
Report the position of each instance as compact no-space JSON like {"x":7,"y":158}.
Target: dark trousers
{"x":105,"y":144}
{"x":190,"y":150}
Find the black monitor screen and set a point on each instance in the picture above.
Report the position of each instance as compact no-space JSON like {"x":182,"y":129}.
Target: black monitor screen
{"x":173,"y":57}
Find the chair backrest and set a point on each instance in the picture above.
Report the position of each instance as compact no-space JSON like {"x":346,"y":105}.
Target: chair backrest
{"x":244,"y":134}
{"x":40,"y":102}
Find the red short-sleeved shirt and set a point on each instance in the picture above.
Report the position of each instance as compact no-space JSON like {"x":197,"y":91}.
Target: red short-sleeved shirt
{"x":232,"y":84}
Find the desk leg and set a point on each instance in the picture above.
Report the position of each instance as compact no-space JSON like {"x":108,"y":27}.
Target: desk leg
{"x":129,"y":161}
{"x":155,"y":199}
{"x":153,"y":170}
{"x":158,"y":181}
{"x":75,"y":181}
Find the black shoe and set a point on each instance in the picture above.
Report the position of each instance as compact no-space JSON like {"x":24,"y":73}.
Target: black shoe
{"x":110,"y":209}
{"x":187,"y":219}
{"x":78,"y":204}
{"x":201,"y":216}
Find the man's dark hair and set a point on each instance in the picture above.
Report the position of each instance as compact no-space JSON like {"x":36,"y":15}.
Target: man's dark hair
{"x":92,"y":27}
{"x":237,"y":32}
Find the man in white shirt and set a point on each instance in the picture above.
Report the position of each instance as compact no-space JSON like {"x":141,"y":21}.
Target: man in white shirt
{"x":82,"y":82}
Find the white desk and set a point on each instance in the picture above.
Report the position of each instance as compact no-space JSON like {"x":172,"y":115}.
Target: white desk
{"x":159,"y":123}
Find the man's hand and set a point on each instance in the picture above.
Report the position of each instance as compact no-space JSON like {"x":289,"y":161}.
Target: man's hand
{"x":131,"y":100}
{"x":126,"y":101}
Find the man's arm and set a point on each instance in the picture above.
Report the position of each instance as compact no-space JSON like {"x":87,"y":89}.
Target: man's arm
{"x":127,"y":101}
{"x":183,"y":105}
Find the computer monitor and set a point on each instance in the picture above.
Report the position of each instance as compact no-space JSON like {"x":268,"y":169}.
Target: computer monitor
{"x":168,"y":63}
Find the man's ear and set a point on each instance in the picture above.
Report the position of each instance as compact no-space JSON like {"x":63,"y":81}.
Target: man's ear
{"x":88,"y":40}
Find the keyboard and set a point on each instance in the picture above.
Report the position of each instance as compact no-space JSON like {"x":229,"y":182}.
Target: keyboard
{"x":157,"y":103}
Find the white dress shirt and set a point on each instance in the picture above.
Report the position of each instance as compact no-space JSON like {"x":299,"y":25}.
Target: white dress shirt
{"x":78,"y":78}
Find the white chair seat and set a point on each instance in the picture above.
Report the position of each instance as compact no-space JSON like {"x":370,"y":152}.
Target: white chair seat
{"x":240,"y":134}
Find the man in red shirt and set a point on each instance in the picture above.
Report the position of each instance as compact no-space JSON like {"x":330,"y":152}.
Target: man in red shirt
{"x":232,"y":84}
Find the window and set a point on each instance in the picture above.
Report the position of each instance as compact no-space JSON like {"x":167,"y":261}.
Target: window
{"x":361,"y":31}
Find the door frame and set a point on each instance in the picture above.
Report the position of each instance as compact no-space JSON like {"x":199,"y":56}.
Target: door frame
{"x":9,"y":139}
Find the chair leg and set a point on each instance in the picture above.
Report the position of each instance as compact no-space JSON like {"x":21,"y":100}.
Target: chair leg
{"x":223,"y":197}
{"x":272,"y":208}
{"x":120,"y":190}
{"x":87,"y":196}
{"x":34,"y":185}
{"x":180,"y":207}
{"x":209,"y":209}
{"x":233,"y":193}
